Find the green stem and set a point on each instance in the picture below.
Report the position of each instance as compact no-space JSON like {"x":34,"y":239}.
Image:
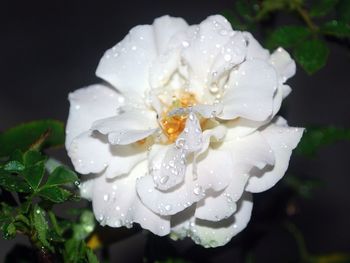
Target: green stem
{"x":307,"y":19}
{"x":54,"y":222}
{"x":299,"y":239}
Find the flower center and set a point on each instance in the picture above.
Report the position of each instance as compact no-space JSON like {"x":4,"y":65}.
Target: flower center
{"x":173,"y":125}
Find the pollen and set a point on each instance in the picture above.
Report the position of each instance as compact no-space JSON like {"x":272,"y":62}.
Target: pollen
{"x":175,"y":124}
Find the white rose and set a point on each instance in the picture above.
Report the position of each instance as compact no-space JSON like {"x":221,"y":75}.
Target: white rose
{"x":184,"y":131}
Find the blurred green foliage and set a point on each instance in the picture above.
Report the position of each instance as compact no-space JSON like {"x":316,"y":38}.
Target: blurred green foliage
{"x":29,"y":192}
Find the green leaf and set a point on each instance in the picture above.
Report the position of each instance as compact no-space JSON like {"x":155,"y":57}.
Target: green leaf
{"x":74,"y":251}
{"x":336,"y":28}
{"x":41,"y":226}
{"x":244,"y":8}
{"x":303,"y":187}
{"x":6,"y":214}
{"x":13,"y":183}
{"x":54,"y":194}
{"x":311,"y":55}
{"x":85,"y":226}
{"x":343,"y":11}
{"x":61,"y":175}
{"x":287,"y":36}
{"x":33,"y":157}
{"x":316,"y":137}
{"x":34,"y":174}
{"x":9,"y":231}
{"x":14,"y":166}
{"x":90,"y":256}
{"x":22,"y":137}
{"x":269,"y":6}
{"x":322,"y":7}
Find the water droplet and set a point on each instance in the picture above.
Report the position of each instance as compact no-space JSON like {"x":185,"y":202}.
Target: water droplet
{"x":214,"y":89}
{"x":227,"y":57}
{"x":164,"y":179}
{"x":180,"y":143}
{"x":185,"y":44}
{"x":106,"y":197}
{"x":77,"y":107}
{"x":197,"y":190}
{"x":168,"y":207}
{"x":223,"y":32}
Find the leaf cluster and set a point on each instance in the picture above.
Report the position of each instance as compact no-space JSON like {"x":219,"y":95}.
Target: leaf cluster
{"x":321,"y":20}
{"x":29,"y":192}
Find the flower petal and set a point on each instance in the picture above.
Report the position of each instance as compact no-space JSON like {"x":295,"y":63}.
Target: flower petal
{"x":254,"y":49}
{"x":88,"y":105}
{"x":167,"y":166}
{"x":126,"y":65}
{"x":247,"y":97}
{"x":284,"y":64}
{"x":283,"y":140}
{"x":209,"y":233}
{"x":212,"y":41}
{"x":215,"y":234}
{"x":165,"y":28}
{"x":241,"y":127}
{"x":211,"y":172}
{"x":173,"y":200}
{"x":89,"y":153}
{"x":127,"y":127}
{"x":115,"y":203}
{"x":125,"y":158}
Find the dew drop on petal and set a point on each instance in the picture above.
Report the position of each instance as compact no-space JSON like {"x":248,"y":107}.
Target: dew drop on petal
{"x":164,"y":179}
{"x":197,"y":190}
{"x":168,"y":207}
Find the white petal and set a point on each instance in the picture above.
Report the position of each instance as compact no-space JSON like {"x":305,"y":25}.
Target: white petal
{"x":286,"y":90}
{"x":86,"y":188}
{"x":172,"y":201}
{"x":209,"y":233}
{"x":215,"y":234}
{"x":250,"y":97}
{"x":89,"y":153}
{"x":206,"y":42}
{"x":231,"y":54}
{"x":283,"y":140}
{"x":214,"y":169}
{"x":215,"y":207}
{"x":191,"y":138}
{"x":208,"y":111}
{"x":255,"y":50}
{"x":128,"y":127}
{"x":167,"y":166}
{"x":124,"y":158}
{"x":115,"y":203}
{"x":181,"y":223}
{"x":248,"y":152}
{"x":165,"y":28}
{"x":126,"y":65}
{"x":284,"y":64}
{"x":215,"y":134}
{"x":88,"y":105}
{"x":241,"y":127}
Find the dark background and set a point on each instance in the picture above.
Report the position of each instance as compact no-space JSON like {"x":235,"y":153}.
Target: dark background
{"x":50,"y":48}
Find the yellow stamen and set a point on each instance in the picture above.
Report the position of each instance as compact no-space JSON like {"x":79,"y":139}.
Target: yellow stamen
{"x":175,"y":124}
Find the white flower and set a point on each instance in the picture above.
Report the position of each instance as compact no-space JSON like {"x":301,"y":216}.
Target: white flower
{"x":184,"y":131}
